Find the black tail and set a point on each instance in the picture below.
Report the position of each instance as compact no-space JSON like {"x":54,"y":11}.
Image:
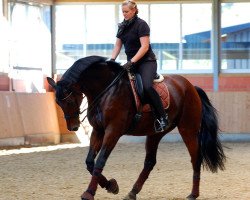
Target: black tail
{"x":212,"y":153}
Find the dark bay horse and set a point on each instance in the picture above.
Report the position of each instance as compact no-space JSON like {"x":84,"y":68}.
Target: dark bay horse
{"x":111,"y":109}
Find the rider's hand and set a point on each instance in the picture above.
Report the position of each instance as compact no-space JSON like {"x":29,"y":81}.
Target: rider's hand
{"x":128,"y":65}
{"x":111,"y":61}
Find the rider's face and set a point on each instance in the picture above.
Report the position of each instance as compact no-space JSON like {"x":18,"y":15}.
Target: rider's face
{"x":128,"y":13}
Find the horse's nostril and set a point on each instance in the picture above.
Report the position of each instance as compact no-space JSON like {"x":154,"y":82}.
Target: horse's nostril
{"x":75,"y":129}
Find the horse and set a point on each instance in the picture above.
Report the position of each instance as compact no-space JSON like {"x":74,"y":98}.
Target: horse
{"x":111,"y":110}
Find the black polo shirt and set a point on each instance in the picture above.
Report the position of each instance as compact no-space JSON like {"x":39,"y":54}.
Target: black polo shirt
{"x":131,"y":39}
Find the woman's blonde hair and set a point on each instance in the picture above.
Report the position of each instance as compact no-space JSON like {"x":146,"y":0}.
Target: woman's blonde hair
{"x":131,"y":4}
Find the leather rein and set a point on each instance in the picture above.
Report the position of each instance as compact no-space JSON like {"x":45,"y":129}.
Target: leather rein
{"x":98,"y":97}
{"x":95,"y":101}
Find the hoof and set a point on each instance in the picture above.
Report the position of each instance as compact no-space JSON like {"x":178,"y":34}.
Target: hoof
{"x":130,"y":196}
{"x":113,"y":186}
{"x":87,"y":196}
{"x":191,"y":197}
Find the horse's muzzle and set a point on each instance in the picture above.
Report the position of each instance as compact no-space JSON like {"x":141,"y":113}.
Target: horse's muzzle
{"x":73,"y":128}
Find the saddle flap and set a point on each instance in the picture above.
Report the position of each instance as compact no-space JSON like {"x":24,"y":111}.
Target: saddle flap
{"x":160,"y":87}
{"x":139,"y":87}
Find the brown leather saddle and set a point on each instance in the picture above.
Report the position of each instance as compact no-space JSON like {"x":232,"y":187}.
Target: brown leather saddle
{"x":137,"y":88}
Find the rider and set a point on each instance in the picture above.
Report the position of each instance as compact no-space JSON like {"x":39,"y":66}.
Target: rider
{"x":134,"y":34}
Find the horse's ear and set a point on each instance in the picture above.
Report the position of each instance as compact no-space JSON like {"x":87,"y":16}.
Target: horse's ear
{"x":51,"y":82}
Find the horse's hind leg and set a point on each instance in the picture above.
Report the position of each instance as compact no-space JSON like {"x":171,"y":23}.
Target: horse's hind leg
{"x":95,"y":146}
{"x":151,"y":146}
{"x":190,"y":138}
{"x":189,"y":127}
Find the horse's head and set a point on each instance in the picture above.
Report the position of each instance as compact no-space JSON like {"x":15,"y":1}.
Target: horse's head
{"x":69,"y":99}
{"x":89,"y":75}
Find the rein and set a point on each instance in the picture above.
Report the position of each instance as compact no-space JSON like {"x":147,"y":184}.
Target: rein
{"x":95,"y":101}
{"x":67,"y":96}
{"x":76,"y":114}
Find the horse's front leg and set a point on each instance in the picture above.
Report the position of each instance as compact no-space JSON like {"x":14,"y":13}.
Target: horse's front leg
{"x":150,"y":161}
{"x":95,"y":146}
{"x":97,"y":177}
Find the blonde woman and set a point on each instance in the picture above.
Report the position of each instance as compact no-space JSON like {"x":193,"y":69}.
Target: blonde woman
{"x":134,"y":34}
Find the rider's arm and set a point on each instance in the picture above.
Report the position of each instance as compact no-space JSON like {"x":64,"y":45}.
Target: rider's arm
{"x":117,"y":48}
{"x":143,"y":49}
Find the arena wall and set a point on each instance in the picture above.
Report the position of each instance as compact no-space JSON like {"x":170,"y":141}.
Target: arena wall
{"x":233,"y":113}
{"x":33,"y":118}
{"x":28,"y":119}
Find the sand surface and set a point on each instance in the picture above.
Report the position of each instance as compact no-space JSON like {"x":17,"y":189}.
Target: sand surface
{"x":59,"y":173}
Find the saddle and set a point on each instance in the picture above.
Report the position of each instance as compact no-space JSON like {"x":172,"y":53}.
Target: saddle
{"x":137,"y":89}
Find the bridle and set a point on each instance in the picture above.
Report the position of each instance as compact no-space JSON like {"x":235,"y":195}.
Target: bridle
{"x":75,"y":114}
{"x":94,"y":102}
{"x":67,"y":96}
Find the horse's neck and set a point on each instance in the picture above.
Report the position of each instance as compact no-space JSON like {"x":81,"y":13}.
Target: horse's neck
{"x":94,"y":87}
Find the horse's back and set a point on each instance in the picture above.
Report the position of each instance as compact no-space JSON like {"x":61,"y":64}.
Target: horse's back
{"x":181,"y":85}
{"x":178,"y":81}
{"x":177,"y":86}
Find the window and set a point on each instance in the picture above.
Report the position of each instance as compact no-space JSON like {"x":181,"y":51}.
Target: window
{"x":80,"y":32}
{"x":165,"y":34}
{"x":180,"y":37}
{"x":4,"y":41}
{"x":1,"y":8}
{"x":180,"y":34}
{"x":235,"y":36}
{"x":100,"y":29}
{"x":70,"y":35}
{"x":196,"y":38}
{"x":30,"y":48}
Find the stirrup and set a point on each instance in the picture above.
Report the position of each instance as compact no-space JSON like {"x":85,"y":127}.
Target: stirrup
{"x":161,"y":125}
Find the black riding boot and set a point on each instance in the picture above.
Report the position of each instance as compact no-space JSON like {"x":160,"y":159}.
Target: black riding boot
{"x":161,"y":123}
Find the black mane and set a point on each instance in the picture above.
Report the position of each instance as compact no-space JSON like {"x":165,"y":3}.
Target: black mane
{"x":72,"y":75}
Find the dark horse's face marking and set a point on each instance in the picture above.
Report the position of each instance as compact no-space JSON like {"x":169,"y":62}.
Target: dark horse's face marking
{"x":70,"y":102}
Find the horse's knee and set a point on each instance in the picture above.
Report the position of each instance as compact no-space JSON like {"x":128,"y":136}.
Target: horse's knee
{"x":149,"y":164}
{"x":90,"y":166}
{"x":90,"y":160}
{"x":102,"y":158}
